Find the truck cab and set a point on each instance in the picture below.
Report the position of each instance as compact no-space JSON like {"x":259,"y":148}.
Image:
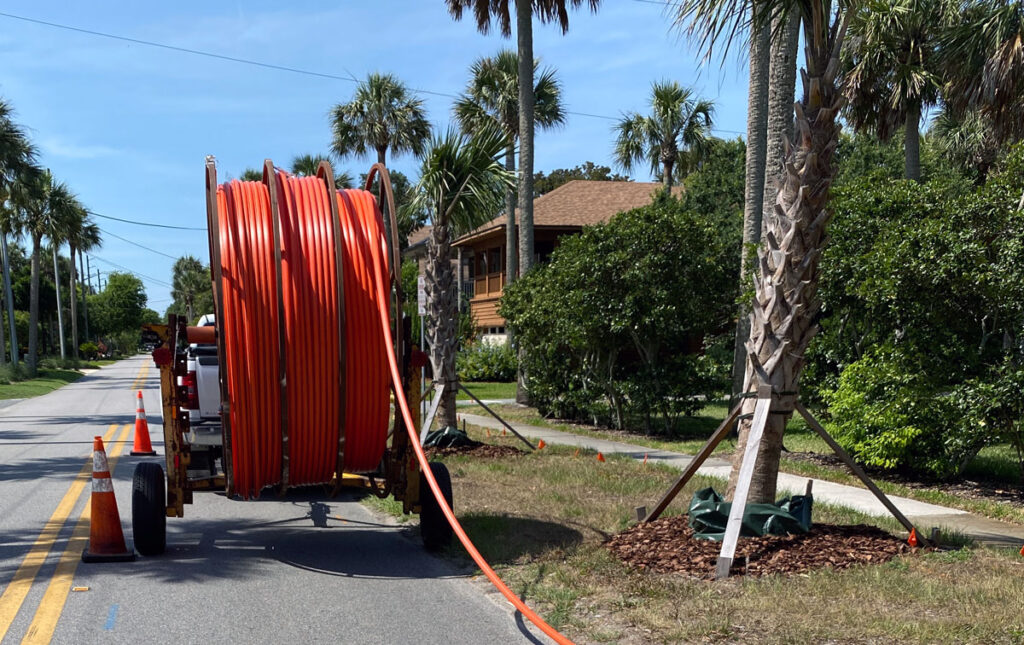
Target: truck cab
{"x":202,"y":380}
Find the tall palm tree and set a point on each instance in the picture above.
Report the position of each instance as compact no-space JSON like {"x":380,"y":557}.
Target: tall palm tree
{"x":83,"y":236}
{"x":492,"y":99}
{"x":384,"y":115}
{"x":189,"y":278}
{"x":674,"y":138}
{"x":17,"y":164}
{"x":251,"y":174}
{"x":785,"y":302}
{"x":46,"y":205}
{"x":891,"y":65}
{"x":65,"y":219}
{"x":307,"y":165}
{"x":983,"y":64}
{"x":546,"y":11}
{"x":968,"y":141}
{"x":462,"y":181}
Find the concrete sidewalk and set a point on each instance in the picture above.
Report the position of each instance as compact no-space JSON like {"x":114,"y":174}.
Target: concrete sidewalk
{"x":923,"y":515}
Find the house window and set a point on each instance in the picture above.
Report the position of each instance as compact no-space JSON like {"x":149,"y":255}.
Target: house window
{"x":542,"y":251}
{"x":494,"y":263}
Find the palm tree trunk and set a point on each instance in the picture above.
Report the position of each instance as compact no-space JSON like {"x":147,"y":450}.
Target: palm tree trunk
{"x":74,"y":304}
{"x":85,"y":299}
{"x":912,"y":143}
{"x":511,"y":259}
{"x":441,"y":314}
{"x":757,"y":122}
{"x":524,"y":35}
{"x":60,"y":315}
{"x":666,"y":178}
{"x":785,"y":301}
{"x":9,"y":297}
{"x":33,"y":304}
{"x":781,"y":91}
{"x":385,"y":215}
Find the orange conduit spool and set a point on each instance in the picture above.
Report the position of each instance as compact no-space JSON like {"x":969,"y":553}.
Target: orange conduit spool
{"x":309,"y":291}
{"x":300,"y":447}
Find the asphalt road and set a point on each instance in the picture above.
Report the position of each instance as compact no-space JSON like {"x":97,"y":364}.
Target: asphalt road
{"x":302,"y":569}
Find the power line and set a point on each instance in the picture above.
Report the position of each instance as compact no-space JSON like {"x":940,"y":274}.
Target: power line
{"x":281,"y":68}
{"x":124,"y":239}
{"x":129,"y":221}
{"x":135,"y":273}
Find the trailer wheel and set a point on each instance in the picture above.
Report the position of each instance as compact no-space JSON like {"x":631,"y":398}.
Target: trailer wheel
{"x":434,"y":528}
{"x":149,"y":509}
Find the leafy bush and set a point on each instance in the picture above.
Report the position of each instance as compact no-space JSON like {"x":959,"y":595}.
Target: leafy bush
{"x":10,"y":373}
{"x":922,"y":314}
{"x":89,"y":351}
{"x":888,"y":413}
{"x":617,"y":319}
{"x":487,"y":362}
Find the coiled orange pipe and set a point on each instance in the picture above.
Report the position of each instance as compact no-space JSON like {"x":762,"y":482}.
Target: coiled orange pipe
{"x":251,"y":327}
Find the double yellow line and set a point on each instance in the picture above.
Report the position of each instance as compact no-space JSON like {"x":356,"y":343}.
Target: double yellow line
{"x":45,"y":620}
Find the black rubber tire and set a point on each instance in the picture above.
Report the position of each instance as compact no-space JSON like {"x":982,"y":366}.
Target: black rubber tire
{"x":149,"y":509}
{"x":434,"y":527}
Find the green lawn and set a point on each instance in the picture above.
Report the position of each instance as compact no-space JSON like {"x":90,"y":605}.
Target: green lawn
{"x":541,"y":519}
{"x":47,"y":381}
{"x":487,"y":391}
{"x":994,"y":463}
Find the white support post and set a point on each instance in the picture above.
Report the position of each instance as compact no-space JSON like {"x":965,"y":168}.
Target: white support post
{"x":739,"y":501}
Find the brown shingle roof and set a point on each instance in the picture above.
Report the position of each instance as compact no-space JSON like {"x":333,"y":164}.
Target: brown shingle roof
{"x":579,"y":203}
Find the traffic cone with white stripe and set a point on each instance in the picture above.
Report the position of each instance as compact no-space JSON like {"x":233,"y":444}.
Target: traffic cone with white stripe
{"x":142,"y":446}
{"x":106,"y":539}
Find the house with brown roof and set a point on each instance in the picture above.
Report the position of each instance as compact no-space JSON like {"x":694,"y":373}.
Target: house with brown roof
{"x":563,"y":211}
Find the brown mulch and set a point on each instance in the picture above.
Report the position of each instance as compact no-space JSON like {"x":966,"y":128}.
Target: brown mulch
{"x":667,"y":545}
{"x":482,"y":450}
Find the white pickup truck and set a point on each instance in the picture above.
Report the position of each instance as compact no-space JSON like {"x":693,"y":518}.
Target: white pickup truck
{"x":202,"y":380}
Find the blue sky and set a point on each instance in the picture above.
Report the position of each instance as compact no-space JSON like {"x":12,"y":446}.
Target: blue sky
{"x":127,"y":126}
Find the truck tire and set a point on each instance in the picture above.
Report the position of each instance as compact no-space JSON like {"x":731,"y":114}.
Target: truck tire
{"x":149,"y":509}
{"x":434,"y":527}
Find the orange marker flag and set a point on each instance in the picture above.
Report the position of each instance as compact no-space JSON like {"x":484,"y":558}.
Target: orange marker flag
{"x":912,"y":540}
{"x":577,"y":453}
{"x":541,"y":444}
{"x":600,"y":457}
{"x":488,"y":432}
{"x":1022,"y":550}
{"x":645,"y":458}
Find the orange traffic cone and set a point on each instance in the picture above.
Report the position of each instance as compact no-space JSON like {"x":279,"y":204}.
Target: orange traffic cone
{"x":142,"y":447}
{"x":1022,"y":550}
{"x":600,"y":457}
{"x":912,"y":540}
{"x":106,"y":540}
{"x":541,"y":445}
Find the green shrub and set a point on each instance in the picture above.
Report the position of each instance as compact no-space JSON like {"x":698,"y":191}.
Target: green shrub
{"x":89,"y":351}
{"x":614,"y":326}
{"x":890,"y":413}
{"x":487,"y":362}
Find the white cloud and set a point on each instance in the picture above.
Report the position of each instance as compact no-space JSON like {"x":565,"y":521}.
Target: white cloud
{"x":69,"y":150}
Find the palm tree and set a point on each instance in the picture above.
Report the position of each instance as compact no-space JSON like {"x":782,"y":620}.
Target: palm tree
{"x":673,"y":138}
{"x":785,"y":301}
{"x":17,"y":159}
{"x":462,"y":181}
{"x":251,"y":174}
{"x":46,"y":204}
{"x":547,"y":11}
{"x":65,"y":220}
{"x":492,"y":98}
{"x":307,"y":165}
{"x":189,"y":279}
{"x":382,"y":116}
{"x":968,"y":141}
{"x":83,"y":236}
{"x":983,"y":64}
{"x":891,"y":65}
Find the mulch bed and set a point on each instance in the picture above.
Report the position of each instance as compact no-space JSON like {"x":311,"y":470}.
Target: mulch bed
{"x":667,"y":545}
{"x":481,"y":450}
